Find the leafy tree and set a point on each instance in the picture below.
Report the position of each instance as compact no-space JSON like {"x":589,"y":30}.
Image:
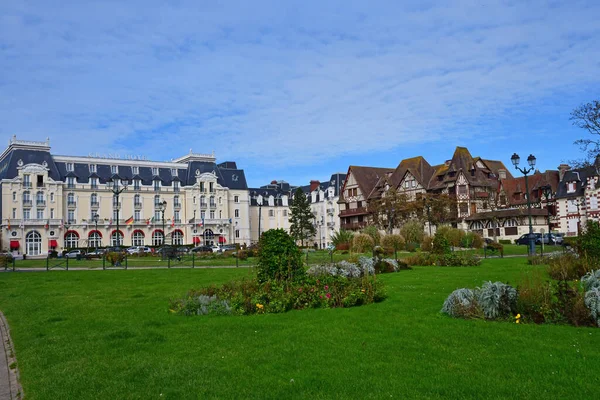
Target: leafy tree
{"x":301,"y":218}
{"x":436,"y":208}
{"x":413,"y":232}
{"x":278,"y":257}
{"x":587,"y":116}
{"x":390,"y":210}
{"x":394,"y":242}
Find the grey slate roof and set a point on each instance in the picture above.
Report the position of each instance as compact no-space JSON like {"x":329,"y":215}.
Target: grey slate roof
{"x":580,"y":176}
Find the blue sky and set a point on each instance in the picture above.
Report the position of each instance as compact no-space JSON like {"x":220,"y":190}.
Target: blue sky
{"x":297,"y":90}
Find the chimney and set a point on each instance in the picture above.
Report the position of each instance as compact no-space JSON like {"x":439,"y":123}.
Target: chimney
{"x":314,"y":185}
{"x":273,"y":182}
{"x":562,"y":169}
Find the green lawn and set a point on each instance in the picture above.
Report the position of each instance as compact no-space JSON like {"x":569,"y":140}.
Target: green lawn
{"x":108,"y":335}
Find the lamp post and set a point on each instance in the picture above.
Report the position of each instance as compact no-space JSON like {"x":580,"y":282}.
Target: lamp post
{"x":193,"y":228}
{"x":547,"y":190}
{"x":162,"y":207}
{"x":531,"y":161}
{"x":117,"y":186}
{"x":67,"y":226}
{"x":95,"y":219}
{"x":258,"y":197}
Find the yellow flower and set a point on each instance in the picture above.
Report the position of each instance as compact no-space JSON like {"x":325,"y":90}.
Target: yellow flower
{"x":259,"y":306}
{"x":518,"y":316}
{"x":517,"y":321}
{"x":362,"y":290}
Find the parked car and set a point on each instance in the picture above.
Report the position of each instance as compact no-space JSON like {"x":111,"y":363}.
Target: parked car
{"x":547,"y":239}
{"x":559,"y":238}
{"x":139,"y":249}
{"x":95,"y":253}
{"x":78,"y":254}
{"x":202,"y":249}
{"x":114,"y":250}
{"x":227,"y":247}
{"x":524,"y":239}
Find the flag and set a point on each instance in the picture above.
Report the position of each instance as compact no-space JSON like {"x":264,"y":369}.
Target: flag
{"x":62,"y":224}
{"x":129,"y":221}
{"x":22,"y":224}
{"x":150,"y":221}
{"x":173,"y":222}
{"x":47,"y":224}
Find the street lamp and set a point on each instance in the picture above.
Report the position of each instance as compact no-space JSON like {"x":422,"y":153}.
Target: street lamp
{"x":547,"y":191}
{"x":162,"y":207}
{"x":95,"y":219}
{"x":255,"y":196}
{"x":531,"y":161}
{"x":117,"y":186}
{"x":67,"y":226}
{"x":193,"y":228}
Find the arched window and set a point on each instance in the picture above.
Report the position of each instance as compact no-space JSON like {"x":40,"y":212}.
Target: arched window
{"x":136,"y":199}
{"x":137,"y":239}
{"x":209,"y":234}
{"x":476,"y":226}
{"x":177,"y":238}
{"x":158,"y":238}
{"x":70,"y":198}
{"x":95,"y":239}
{"x":114,"y":236}
{"x":39,"y":197}
{"x":71,"y":240}
{"x":94,"y":198}
{"x":511,"y":222}
{"x":33,"y":244}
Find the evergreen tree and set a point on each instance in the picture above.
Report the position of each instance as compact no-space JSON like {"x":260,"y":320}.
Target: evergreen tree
{"x":301,"y":218}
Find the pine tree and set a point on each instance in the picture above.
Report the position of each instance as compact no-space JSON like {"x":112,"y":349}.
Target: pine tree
{"x":301,"y":218}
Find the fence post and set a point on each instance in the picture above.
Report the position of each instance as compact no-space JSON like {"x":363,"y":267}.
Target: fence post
{"x":193,"y":260}
{"x":168,"y":262}
{"x":103,"y":261}
{"x":67,"y":263}
{"x":126,"y":258}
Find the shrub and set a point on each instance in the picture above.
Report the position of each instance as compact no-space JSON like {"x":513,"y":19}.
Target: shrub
{"x":427,"y":243}
{"x":421,"y":259}
{"x":588,"y":244}
{"x":455,"y":237}
{"x":534,"y":302}
{"x":200,"y":305}
{"x":457,"y":259}
{"x":497,"y":300}
{"x":537,"y":260}
{"x":591,"y":280}
{"x":115,"y":258}
{"x":462,"y":303}
{"x":393,"y":242}
{"x":374,"y":233}
{"x":566,"y":267}
{"x":441,"y":245}
{"x":5,"y":260}
{"x":362,"y":243}
{"x":411,"y":247}
{"x":342,"y":238}
{"x":592,"y":302}
{"x":477,"y":242}
{"x":504,"y":241}
{"x":242,"y":255}
{"x":279,"y":257}
{"x":496,"y":247}
{"x":412,"y":231}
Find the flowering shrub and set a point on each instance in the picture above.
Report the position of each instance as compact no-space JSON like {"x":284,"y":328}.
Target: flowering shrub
{"x":254,"y":297}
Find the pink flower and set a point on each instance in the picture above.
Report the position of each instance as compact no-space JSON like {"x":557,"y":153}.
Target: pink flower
{"x":320,"y":296}
{"x":300,"y":290}
{"x":326,"y":287}
{"x":328,"y":295}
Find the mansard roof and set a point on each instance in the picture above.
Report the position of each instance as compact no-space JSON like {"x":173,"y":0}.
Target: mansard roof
{"x":580,"y":177}
{"x":9,"y":164}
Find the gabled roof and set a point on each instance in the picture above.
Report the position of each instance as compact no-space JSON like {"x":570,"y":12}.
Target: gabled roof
{"x":366,"y":177}
{"x":417,"y":166}
{"x":580,"y":177}
{"x":536,"y":181}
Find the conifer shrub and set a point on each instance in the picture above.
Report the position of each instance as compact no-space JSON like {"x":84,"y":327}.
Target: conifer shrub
{"x":362,"y":243}
{"x":278,"y":257}
{"x":441,"y":244}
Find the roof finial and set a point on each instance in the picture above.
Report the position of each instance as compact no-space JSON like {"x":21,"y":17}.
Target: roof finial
{"x":190,"y":150}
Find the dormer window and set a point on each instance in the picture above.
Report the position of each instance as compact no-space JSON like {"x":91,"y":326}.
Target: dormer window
{"x":571,"y":187}
{"x":114,"y":169}
{"x":173,"y":171}
{"x":135,"y":170}
{"x":93,"y":168}
{"x":70,"y":167}
{"x":154,"y":171}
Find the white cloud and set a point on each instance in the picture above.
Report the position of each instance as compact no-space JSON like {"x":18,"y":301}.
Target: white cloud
{"x":295,"y":81}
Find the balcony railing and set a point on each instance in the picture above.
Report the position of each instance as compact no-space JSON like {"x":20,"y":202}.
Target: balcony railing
{"x":353,"y":211}
{"x":353,"y":225}
{"x":70,"y":186}
{"x":94,"y":186}
{"x":137,"y":188}
{"x":203,"y":205}
{"x":27,"y":203}
{"x":95,"y":204}
{"x":177,"y":205}
{"x":157,"y":188}
{"x":40,"y":203}
{"x":137,"y":204}
{"x":26,"y":184}
{"x":176,"y":189}
{"x":216,"y":221}
{"x":71,"y":204}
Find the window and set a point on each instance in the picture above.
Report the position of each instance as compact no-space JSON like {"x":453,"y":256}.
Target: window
{"x":285,"y":213}
{"x":156,"y":185}
{"x":271,"y":213}
{"x":93,"y":168}
{"x":70,"y":199}
{"x":212,"y":214}
{"x":52,"y":197}
{"x":594,"y":203}
{"x":211,"y":186}
{"x":157,"y":216}
{"x":135,"y":170}
{"x":114,"y":169}
{"x":176,"y":201}
{"x":157,"y":201}
{"x":136,"y":200}
{"x":39,"y":198}
{"x":202,"y":201}
{"x":40,"y":181}
{"x":463,"y":207}
{"x":14,"y":213}
{"x":71,"y":240}
{"x":94,"y":239}
{"x":26,"y":198}
{"x":212,"y":201}
{"x":70,"y":182}
{"x":116,"y":238}
{"x":511,"y":222}
{"x":94,"y":199}
{"x":26,"y":181}
{"x":14,"y":196}
{"x":154,"y":171}
{"x":236,"y":199}
{"x":220,"y":202}
{"x":137,"y":184}
{"x":220,"y":214}
{"x":40,"y":214}
{"x":115,"y":215}
{"x":202,"y":214}
{"x":237,"y":234}
{"x":572,"y":206}
{"x":406,"y":184}
{"x":176,"y":186}
{"x":137,"y":215}
{"x":177,"y":238}
{"x":202,"y":186}
{"x":27,"y":214}
{"x":236,"y":213}
{"x":413,"y":183}
{"x":137,"y":239}
{"x":70,"y":167}
{"x":71,"y":216}
{"x":173,"y":172}
{"x":158,"y":238}
{"x":462,"y":189}
{"x":33,"y":244}
{"x":476,"y":226}
{"x":52,"y":213}
{"x":177,"y":216}
{"x":511,"y":231}
{"x":571,"y":187}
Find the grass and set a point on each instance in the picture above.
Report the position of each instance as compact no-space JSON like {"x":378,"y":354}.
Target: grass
{"x":108,"y":334}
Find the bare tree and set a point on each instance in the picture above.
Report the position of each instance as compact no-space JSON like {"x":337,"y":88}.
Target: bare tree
{"x":587,"y":116}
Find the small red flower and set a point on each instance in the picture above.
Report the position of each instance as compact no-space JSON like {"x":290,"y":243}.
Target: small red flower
{"x":328,"y":295}
{"x":320,"y":296}
{"x":326,"y":287}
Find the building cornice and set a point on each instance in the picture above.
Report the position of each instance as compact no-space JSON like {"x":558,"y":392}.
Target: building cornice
{"x":117,"y":161}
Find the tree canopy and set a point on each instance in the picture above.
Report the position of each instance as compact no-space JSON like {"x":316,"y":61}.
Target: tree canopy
{"x":301,"y":218}
{"x":587,"y":116}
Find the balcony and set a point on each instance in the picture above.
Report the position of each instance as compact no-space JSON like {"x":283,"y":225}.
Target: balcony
{"x":331,"y":224}
{"x":27,"y":184}
{"x":94,"y":186}
{"x":71,"y":204}
{"x":70,"y":186}
{"x":27,"y":203}
{"x":216,"y":221}
{"x":354,"y":226}
{"x":354,"y":211}
{"x":40,"y":203}
{"x":137,"y":205}
{"x":95,"y":204}
{"x":203,"y":205}
{"x":137,"y":188}
{"x":177,"y":206}
{"x":330,"y":211}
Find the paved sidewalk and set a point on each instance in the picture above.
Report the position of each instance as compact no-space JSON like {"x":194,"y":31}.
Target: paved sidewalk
{"x":9,"y":384}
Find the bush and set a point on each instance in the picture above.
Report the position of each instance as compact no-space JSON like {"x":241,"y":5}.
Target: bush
{"x":362,"y":243}
{"x":497,"y":300}
{"x":115,"y":258}
{"x":374,"y":233}
{"x":242,"y":255}
{"x":5,"y":260}
{"x":535,"y":298}
{"x":457,"y":259}
{"x":342,"y":238}
{"x":496,"y":247}
{"x":427,"y":243}
{"x":592,"y":302}
{"x":591,"y":280}
{"x":393,"y":242}
{"x":278,"y":257}
{"x":411,"y":247}
{"x":504,"y":241}
{"x":421,"y":259}
{"x":441,"y":245}
{"x":455,"y":237}
{"x":537,"y":260}
{"x":588,"y":244}
{"x":477,"y":242}
{"x":412,"y":231}
{"x":462,"y":303}
{"x":566,"y":267}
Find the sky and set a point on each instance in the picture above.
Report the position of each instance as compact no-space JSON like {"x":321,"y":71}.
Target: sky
{"x":299,"y":90}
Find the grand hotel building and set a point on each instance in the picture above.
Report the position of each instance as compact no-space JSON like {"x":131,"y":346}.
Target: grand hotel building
{"x":54,"y":202}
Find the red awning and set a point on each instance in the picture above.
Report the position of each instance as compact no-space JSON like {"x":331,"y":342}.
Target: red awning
{"x":222,"y":239}
{"x":196,"y":240}
{"x":14,"y":244}
{"x":52,"y":243}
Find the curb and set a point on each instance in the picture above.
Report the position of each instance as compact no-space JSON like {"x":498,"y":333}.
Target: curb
{"x":10,"y":388}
